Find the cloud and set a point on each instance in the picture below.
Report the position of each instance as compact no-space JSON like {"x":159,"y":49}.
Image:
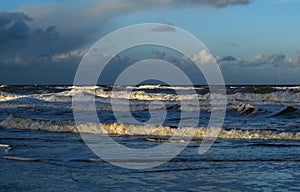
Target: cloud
{"x":87,"y":17}
{"x":210,"y":3}
{"x":78,"y":25}
{"x":84,"y":14}
{"x":158,"y":55}
{"x":69,"y":56}
{"x":13,"y":26}
{"x":296,"y":60}
{"x":275,"y":68}
{"x":260,"y":69}
{"x":232,"y":44}
{"x":273,"y":59}
{"x":164,"y":28}
{"x":203,"y":57}
{"x":54,"y":36}
{"x":225,"y":3}
{"x":258,"y":60}
{"x":228,"y":58}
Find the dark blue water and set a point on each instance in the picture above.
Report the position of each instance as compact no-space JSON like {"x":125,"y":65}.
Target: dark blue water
{"x":258,"y":149}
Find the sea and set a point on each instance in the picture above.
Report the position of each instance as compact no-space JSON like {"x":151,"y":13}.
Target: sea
{"x":44,"y":148}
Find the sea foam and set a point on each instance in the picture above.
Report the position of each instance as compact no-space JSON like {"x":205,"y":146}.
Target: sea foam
{"x":122,"y":129}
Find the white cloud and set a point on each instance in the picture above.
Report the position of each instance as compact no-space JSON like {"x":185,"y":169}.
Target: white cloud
{"x":203,"y":57}
{"x":296,"y":60}
{"x":70,"y":55}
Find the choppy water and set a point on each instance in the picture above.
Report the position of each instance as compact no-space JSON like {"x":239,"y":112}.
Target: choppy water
{"x":258,"y":148}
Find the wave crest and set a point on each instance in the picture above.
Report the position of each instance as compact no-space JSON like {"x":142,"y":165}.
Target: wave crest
{"x":122,"y":129}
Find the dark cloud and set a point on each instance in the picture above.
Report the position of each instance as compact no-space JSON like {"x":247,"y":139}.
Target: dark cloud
{"x":228,"y":58}
{"x":158,"y":55}
{"x":62,"y":27}
{"x":24,"y":47}
{"x":46,"y":39}
{"x":225,"y":3}
{"x":81,"y":18}
{"x":273,"y":59}
{"x":18,"y":30}
{"x":48,"y":34}
{"x":7,"y":18}
{"x":259,"y":60}
{"x":13,"y":26}
{"x":232,"y":44}
{"x":214,"y":3}
{"x":261,"y":69}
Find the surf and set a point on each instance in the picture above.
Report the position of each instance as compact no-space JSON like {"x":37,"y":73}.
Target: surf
{"x":123,"y":129}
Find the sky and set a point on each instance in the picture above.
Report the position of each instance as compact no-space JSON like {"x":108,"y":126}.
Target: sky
{"x":253,"y":41}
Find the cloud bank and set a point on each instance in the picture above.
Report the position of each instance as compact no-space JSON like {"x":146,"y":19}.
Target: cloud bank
{"x":37,"y":33}
{"x":44,"y":44}
{"x":275,"y":68}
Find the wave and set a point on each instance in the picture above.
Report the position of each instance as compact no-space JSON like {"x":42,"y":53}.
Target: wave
{"x":14,"y":158}
{"x":270,"y":98}
{"x":245,"y":109}
{"x":249,"y":110}
{"x":288,"y":88}
{"x":66,"y":96}
{"x":149,"y":87}
{"x":269,"y":95}
{"x":7,"y":96}
{"x":103,"y":93}
{"x":252,"y":89}
{"x":274,"y":145}
{"x":286,"y":111}
{"x":122,"y":129}
{"x":285,"y":97}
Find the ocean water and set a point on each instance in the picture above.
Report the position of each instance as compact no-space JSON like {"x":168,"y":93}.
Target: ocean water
{"x":258,"y":148}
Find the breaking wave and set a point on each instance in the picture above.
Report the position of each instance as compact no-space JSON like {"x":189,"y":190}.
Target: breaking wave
{"x":247,"y":109}
{"x":235,"y":95}
{"x":122,"y":129}
{"x":7,"y":96}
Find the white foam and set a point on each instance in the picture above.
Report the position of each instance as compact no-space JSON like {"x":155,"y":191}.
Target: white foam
{"x":287,"y":88}
{"x":274,"y":98}
{"x":8,"y":96}
{"x":122,"y":129}
{"x":141,"y":95}
{"x":4,"y":145}
{"x":269,"y":98}
{"x":83,"y":87}
{"x":243,"y":107}
{"x":149,"y":86}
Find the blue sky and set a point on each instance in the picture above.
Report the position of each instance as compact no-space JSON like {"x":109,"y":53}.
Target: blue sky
{"x":261,"y":27}
{"x":259,"y":35}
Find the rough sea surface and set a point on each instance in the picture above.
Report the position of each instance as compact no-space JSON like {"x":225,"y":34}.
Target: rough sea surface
{"x":258,"y":148}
